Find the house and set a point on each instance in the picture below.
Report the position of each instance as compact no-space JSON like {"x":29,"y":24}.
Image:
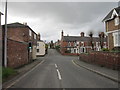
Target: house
{"x":112,"y":23}
{"x":57,"y":43}
{"x":80,"y":44}
{"x":21,"y":44}
{"x":40,"y":47}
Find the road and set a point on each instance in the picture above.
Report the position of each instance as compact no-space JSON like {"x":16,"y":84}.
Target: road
{"x":57,"y":71}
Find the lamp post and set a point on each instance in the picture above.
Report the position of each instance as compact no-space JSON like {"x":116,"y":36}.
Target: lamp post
{"x":5,"y":37}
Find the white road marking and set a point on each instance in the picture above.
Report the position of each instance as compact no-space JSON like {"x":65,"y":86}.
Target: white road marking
{"x":56,"y":66}
{"x":24,"y":75}
{"x":59,"y":76}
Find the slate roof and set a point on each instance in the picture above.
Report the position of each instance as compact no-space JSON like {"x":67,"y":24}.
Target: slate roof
{"x":110,"y":13}
{"x":78,"y":38}
{"x":16,"y":25}
{"x":1,"y":13}
{"x":40,"y":40}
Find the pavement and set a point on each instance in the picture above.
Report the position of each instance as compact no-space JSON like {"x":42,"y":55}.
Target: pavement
{"x":21,"y":71}
{"x":103,"y":71}
{"x":58,"y":71}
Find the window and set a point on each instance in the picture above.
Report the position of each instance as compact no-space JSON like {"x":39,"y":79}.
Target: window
{"x":82,"y":43}
{"x":34,"y":36}
{"x":74,"y":50}
{"x":37,"y":44}
{"x":96,"y":44}
{"x":116,"y":21}
{"x":116,"y":37}
{"x":69,"y":44}
{"x":37,"y":50}
{"x":30,"y":33}
{"x":75,"y":44}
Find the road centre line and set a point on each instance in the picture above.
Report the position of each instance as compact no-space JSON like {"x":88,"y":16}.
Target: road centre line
{"x":59,"y":76}
{"x":56,"y":66}
{"x":58,"y":72}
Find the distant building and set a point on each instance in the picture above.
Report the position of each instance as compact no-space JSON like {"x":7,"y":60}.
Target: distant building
{"x":21,"y":44}
{"x":57,"y":43}
{"x":52,"y":44}
{"x":112,"y":23}
{"x":79,"y":44}
{"x":40,"y":47}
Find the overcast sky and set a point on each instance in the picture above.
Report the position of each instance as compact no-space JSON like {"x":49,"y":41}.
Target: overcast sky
{"x":50,"y":18}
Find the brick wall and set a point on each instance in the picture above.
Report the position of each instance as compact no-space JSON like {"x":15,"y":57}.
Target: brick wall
{"x":110,"y":41}
{"x":17,"y":53}
{"x":107,"y":59}
{"x":111,"y":25}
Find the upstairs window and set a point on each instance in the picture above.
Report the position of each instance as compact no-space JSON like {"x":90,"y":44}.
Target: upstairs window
{"x":30,"y":33}
{"x":75,"y":44}
{"x":82,"y":43}
{"x":69,"y":44}
{"x":37,"y":44}
{"x":116,"y":21}
{"x":97,"y":44}
{"x":34,"y":36}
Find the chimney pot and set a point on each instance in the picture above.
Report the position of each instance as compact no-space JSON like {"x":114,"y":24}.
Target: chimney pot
{"x":82,"y":34}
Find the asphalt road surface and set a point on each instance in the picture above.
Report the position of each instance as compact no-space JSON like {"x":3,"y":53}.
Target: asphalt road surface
{"x":58,"y":71}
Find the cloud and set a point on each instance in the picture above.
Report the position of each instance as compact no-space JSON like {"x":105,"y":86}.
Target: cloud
{"x":50,"y":18}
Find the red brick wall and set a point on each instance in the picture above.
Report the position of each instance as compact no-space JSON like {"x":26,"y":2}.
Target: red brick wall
{"x":111,"y":25}
{"x":71,"y":54}
{"x":108,"y":59}
{"x":17,"y":53}
{"x":18,"y":34}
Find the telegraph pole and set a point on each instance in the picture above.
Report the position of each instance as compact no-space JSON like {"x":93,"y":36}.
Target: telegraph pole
{"x":5,"y":37}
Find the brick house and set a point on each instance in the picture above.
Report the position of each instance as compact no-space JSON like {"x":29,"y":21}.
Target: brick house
{"x":112,"y":23}
{"x":21,"y":44}
{"x":75,"y":45}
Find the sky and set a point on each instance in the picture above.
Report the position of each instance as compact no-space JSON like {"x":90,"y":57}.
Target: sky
{"x":50,"y":18}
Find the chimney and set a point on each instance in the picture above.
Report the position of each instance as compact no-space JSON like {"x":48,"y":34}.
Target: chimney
{"x":102,"y":34}
{"x":25,"y":23}
{"x":82,"y":34}
{"x":62,"y":33}
{"x":38,"y":36}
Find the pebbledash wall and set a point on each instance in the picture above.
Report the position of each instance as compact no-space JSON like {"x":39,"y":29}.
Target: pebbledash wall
{"x":17,"y":56}
{"x":107,"y":59}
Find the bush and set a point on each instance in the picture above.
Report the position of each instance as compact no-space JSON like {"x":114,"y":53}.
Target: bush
{"x":68,"y":51}
{"x":105,"y":49}
{"x":6,"y":72}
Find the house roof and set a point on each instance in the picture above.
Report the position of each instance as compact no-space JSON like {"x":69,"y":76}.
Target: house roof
{"x":40,"y":40}
{"x":78,"y":38}
{"x":1,"y":13}
{"x":108,"y":17}
{"x":17,"y":24}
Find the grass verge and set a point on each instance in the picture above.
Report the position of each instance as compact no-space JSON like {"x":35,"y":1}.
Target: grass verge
{"x":8,"y":73}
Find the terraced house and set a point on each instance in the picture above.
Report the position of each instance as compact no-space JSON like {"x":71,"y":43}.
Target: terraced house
{"x":21,"y":44}
{"x":112,"y":23}
{"x":75,"y":45}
